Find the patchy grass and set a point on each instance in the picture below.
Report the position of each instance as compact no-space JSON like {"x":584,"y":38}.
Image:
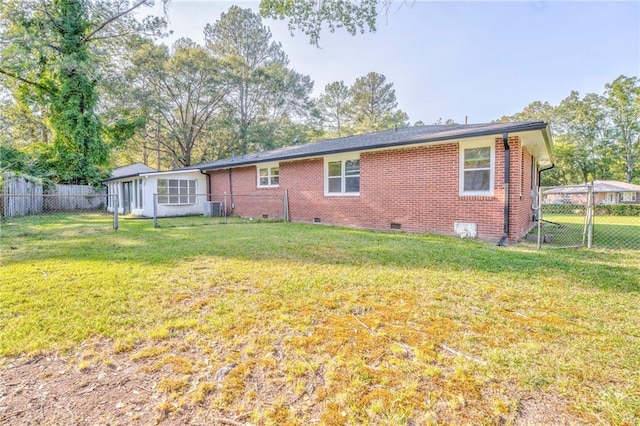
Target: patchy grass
{"x":296,"y":323}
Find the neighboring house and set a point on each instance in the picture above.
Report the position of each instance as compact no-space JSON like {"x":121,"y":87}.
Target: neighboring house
{"x":443,"y":179}
{"x":604,"y":192}
{"x":178,"y":192}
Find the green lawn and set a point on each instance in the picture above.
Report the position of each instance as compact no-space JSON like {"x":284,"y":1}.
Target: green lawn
{"x":337,"y":325}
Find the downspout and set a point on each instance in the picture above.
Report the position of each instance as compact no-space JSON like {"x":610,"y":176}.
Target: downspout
{"x":208,"y":194}
{"x":231,"y":188}
{"x":537,"y":216}
{"x":543,"y":170}
{"x":507,"y":178}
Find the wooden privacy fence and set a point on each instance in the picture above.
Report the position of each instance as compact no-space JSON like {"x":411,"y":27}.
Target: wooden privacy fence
{"x":20,"y":197}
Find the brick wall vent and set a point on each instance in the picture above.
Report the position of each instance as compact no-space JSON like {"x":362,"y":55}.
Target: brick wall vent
{"x":396,"y":226}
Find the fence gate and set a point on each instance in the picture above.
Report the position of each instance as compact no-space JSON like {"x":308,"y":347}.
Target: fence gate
{"x":583,"y":218}
{"x":565,"y":222}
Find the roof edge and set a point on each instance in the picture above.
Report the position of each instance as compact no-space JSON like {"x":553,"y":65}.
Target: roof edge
{"x":517,"y":127}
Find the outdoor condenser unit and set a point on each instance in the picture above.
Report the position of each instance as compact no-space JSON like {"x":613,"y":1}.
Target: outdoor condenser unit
{"x":213,"y":208}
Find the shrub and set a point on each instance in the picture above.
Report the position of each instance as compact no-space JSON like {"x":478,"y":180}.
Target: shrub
{"x":599,"y":210}
{"x":617,"y":210}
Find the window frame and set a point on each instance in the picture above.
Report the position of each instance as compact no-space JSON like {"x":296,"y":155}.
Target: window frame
{"x":343,"y":174}
{"x":492,"y":167}
{"x":632,"y":197}
{"x":269,"y":167}
{"x":191,"y":195}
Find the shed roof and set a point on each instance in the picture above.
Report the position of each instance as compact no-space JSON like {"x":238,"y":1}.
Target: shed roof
{"x":385,"y":139}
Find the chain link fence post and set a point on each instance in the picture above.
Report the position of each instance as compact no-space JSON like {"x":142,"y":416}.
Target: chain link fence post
{"x":155,"y":210}
{"x":589,"y":217}
{"x":116,"y":223}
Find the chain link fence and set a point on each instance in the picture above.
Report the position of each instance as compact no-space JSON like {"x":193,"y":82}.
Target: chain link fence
{"x":218,"y":209}
{"x":579,"y":217}
{"x":72,"y":214}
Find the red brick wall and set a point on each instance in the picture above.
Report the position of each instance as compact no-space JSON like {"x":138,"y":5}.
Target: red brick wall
{"x":415,"y":187}
{"x":246,"y":199}
{"x":521,"y":213}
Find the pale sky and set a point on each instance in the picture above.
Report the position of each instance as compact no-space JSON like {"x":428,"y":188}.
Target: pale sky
{"x":455,"y":59}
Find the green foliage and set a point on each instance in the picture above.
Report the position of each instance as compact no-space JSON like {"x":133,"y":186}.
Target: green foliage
{"x":374,"y":104}
{"x":311,"y":16}
{"x":50,"y":57}
{"x":336,"y":109}
{"x":369,"y":105}
{"x":265,"y":96}
{"x":564,"y":209}
{"x":617,"y":210}
{"x":595,"y":136}
{"x":599,"y":209}
{"x":12,"y":159}
{"x":622,"y":99}
{"x":177,"y":93}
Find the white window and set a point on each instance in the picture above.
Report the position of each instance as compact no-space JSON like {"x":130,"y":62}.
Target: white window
{"x":477,"y":163}
{"x":342,"y":176}
{"x":268,"y":175}
{"x":176,"y":191}
{"x":628,"y":197}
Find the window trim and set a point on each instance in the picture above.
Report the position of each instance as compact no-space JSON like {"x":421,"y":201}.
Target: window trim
{"x":191,"y":198}
{"x":267,"y":166}
{"x":492,"y":167}
{"x":342,"y":158}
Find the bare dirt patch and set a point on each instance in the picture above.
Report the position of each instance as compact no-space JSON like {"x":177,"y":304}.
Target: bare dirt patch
{"x":69,"y":390}
{"x":96,"y":386}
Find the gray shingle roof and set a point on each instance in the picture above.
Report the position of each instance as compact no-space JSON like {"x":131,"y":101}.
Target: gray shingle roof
{"x":129,"y":170}
{"x":390,"y":138}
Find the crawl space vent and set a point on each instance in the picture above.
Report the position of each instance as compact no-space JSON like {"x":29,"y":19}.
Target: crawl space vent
{"x":465,"y":230}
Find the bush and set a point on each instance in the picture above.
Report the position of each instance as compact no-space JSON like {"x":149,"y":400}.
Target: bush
{"x":564,"y":209}
{"x":617,"y":210}
{"x":599,"y":210}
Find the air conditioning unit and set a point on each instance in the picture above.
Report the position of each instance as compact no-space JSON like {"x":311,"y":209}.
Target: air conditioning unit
{"x":213,"y":208}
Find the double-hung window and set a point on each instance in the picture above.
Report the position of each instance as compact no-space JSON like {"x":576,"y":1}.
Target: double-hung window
{"x":268,"y":175}
{"x":342,"y":176}
{"x":176,"y":191}
{"x":477,"y":166}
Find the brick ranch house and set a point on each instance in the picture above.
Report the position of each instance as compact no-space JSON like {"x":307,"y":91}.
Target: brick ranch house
{"x":440,"y":179}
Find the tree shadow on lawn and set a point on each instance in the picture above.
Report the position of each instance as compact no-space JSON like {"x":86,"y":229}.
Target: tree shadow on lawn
{"x":302,"y":243}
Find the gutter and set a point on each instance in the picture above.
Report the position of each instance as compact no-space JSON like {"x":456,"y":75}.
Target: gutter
{"x":507,"y":178}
